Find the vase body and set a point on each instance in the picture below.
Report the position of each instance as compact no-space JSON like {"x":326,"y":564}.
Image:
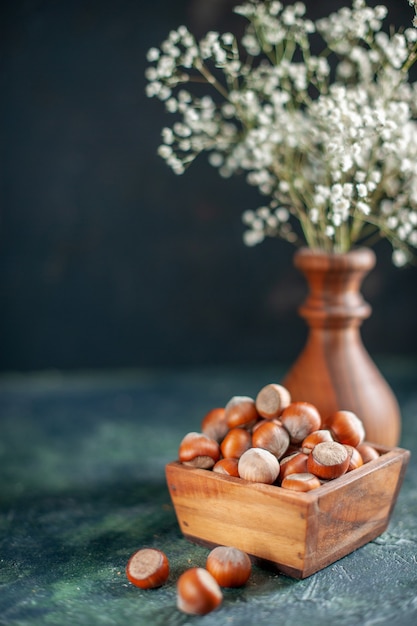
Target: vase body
{"x":334,"y":371}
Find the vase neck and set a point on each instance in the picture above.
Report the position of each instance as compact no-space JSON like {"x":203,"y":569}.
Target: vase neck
{"x":334,"y":281}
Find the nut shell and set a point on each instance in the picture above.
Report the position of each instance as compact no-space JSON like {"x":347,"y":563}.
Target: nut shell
{"x":300,"y":419}
{"x":235,"y":443}
{"x":346,"y":427}
{"x":355,"y":460}
{"x":328,"y":460}
{"x":301,"y":482}
{"x":148,"y":568}
{"x":198,"y":592}
{"x":272,"y":437}
{"x":198,"y":450}
{"x":214,"y":424}
{"x":258,"y":465}
{"x":295,"y":463}
{"x":241,"y":412}
{"x":272,"y":400}
{"x":227,"y":466}
{"x":367,"y":452}
{"x":229,"y":566}
{"x":317,"y":436}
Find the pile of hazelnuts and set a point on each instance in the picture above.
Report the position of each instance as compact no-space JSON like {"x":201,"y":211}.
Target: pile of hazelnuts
{"x":268,"y":439}
{"x":199,"y":589}
{"x":274,"y":440}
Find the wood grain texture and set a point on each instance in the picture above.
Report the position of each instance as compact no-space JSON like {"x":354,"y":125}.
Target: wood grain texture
{"x":334,"y":371}
{"x":298,"y":532}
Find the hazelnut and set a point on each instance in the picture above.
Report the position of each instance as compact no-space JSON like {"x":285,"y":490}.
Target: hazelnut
{"x":271,"y":436}
{"x":198,"y":592}
{"x":262,"y":421}
{"x":235,"y":443}
{"x":355,"y":458}
{"x":148,"y":568}
{"x":227,"y":466}
{"x":328,"y":460}
{"x":346,"y":427}
{"x":258,"y":465}
{"x":214,"y":424}
{"x":241,"y":412}
{"x":272,"y":400}
{"x":198,"y":450}
{"x":367,"y":452}
{"x":295,"y":463}
{"x":300,"y":419}
{"x":301,"y":482}
{"x":314,"y":438}
{"x":229,"y":566}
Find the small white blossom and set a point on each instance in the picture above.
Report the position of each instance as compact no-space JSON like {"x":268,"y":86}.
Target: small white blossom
{"x":399,"y":258}
{"x":282,"y":214}
{"x":216,"y":159}
{"x":362,"y":190}
{"x":314,"y":215}
{"x":168,"y":136}
{"x":335,"y":151}
{"x":363,"y":207}
{"x":153,"y":54}
{"x":165,"y":151}
{"x":253,"y":237}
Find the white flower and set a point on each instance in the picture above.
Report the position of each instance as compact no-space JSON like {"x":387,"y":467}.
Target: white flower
{"x":168,"y":136}
{"x":153,"y":54}
{"x":282,"y":214}
{"x":314,"y":215}
{"x":399,"y":258}
{"x":362,"y":190}
{"x":216,"y":159}
{"x":248,"y":217}
{"x":363,"y":207}
{"x":335,"y":152}
{"x":253,"y":237}
{"x":164,"y":151}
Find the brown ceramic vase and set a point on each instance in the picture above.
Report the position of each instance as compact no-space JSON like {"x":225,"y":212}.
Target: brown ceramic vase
{"x":334,"y":371}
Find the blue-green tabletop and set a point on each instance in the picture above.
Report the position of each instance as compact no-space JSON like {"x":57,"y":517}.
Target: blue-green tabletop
{"x":82,"y":486}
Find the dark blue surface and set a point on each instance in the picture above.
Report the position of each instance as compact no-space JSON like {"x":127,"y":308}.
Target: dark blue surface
{"x":82,"y":486}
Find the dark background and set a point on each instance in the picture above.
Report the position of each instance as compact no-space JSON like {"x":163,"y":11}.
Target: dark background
{"x":107,"y":259}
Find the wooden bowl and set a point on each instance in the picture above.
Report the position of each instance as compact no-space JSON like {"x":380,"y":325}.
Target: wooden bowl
{"x":299,"y":533}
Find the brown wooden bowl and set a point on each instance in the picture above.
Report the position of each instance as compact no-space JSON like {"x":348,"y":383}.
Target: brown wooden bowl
{"x":299,"y":533}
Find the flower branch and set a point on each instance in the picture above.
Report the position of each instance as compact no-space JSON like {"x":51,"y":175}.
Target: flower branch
{"x":330,"y":138}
